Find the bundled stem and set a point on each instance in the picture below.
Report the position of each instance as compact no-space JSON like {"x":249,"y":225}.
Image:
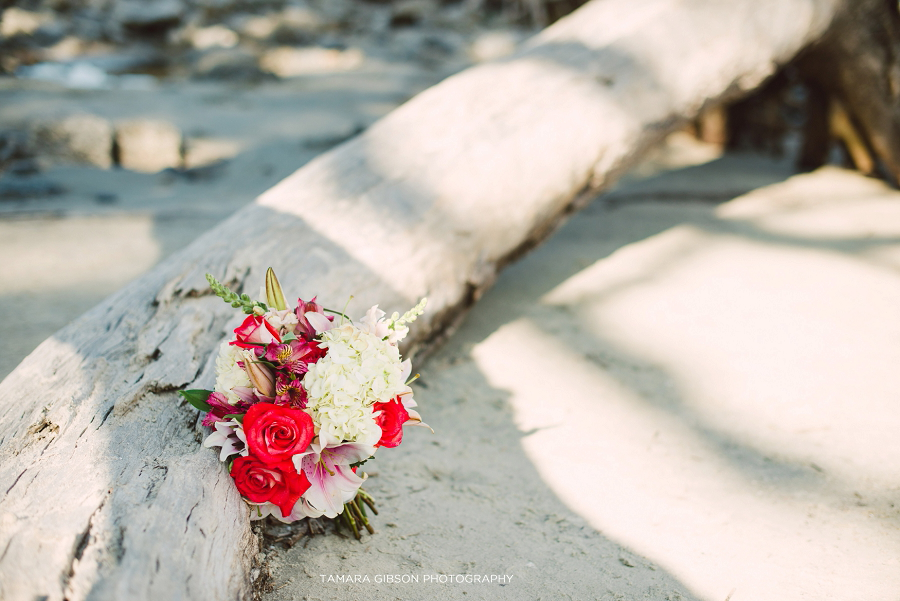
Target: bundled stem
{"x":354,"y":514}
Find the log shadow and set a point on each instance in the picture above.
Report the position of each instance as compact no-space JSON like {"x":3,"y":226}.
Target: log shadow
{"x":661,"y":450}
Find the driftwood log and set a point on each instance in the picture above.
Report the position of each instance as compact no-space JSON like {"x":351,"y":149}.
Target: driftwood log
{"x":107,"y":493}
{"x":853,"y":74}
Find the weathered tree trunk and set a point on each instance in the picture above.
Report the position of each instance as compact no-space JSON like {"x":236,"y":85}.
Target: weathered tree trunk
{"x":856,"y":68}
{"x":107,"y":492}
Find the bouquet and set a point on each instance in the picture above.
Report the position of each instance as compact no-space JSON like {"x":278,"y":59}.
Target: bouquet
{"x":303,"y":397}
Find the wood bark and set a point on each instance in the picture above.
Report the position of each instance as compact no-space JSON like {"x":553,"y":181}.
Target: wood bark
{"x":107,"y":493}
{"x":856,"y":66}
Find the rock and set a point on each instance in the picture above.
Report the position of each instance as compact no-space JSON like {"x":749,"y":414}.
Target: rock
{"x":24,"y":167}
{"x":202,"y":152}
{"x":432,"y":48}
{"x":16,"y":21}
{"x":147,"y":14}
{"x":258,"y":27}
{"x":335,"y":11}
{"x":304,"y":17}
{"x":286,"y":61}
{"x":66,"y":49}
{"x":216,"y":5}
{"x":16,"y":187}
{"x":79,"y":139}
{"x":411,"y":12}
{"x":79,"y":74}
{"x":299,"y":25}
{"x":13,"y":145}
{"x":148,"y":145}
{"x":217,"y":36}
{"x":106,"y":198}
{"x":492,"y":45}
{"x":234,"y":64}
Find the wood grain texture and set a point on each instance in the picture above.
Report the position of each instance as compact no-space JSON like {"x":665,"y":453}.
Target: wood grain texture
{"x":107,"y":493}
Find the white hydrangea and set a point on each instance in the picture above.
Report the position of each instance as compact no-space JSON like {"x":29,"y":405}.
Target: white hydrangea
{"x":359,"y":370}
{"x":228,"y":373}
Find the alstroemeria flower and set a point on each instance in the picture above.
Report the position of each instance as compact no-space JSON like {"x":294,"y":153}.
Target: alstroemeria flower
{"x":289,"y":390}
{"x":294,"y":356}
{"x":230,"y":436}
{"x":332,"y":480}
{"x":220,"y":407}
{"x":255,"y":331}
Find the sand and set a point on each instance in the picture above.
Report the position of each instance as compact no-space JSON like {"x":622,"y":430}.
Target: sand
{"x":671,"y":399}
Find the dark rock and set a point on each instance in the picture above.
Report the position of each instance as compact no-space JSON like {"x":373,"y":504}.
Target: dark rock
{"x":232,"y":64}
{"x":148,"y":16}
{"x":106,"y":198}
{"x":13,"y":145}
{"x":24,"y":167}
{"x":17,"y":188}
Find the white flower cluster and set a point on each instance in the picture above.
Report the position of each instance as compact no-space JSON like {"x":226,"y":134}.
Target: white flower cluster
{"x":228,"y":373}
{"x":359,"y":370}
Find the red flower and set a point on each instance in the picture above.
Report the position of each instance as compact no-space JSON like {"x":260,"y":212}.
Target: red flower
{"x":276,"y":433}
{"x":393,"y":416}
{"x":255,"y":331}
{"x":279,"y":483}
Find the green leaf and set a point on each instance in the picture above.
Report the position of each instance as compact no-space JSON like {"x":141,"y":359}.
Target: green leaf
{"x":197,"y":398}
{"x":288,"y":337}
{"x":238,"y":416}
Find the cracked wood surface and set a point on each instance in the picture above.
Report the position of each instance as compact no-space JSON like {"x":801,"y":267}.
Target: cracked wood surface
{"x":107,"y":491}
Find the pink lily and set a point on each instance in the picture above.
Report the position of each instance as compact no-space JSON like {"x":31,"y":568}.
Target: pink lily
{"x":312,"y":319}
{"x":333,"y":482}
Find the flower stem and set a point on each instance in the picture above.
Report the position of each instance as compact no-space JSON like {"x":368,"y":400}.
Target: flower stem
{"x":359,"y":517}
{"x":351,"y":521}
{"x":368,"y":500}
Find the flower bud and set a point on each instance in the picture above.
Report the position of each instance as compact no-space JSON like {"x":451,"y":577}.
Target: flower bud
{"x":274,"y":294}
{"x":260,"y":375}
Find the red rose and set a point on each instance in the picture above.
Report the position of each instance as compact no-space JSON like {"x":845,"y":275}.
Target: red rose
{"x":276,"y":433}
{"x":279,"y":483}
{"x":255,"y":331}
{"x":393,"y":416}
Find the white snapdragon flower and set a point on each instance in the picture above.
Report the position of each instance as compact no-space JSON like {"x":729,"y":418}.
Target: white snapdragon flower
{"x":229,"y":374}
{"x":394,"y":329}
